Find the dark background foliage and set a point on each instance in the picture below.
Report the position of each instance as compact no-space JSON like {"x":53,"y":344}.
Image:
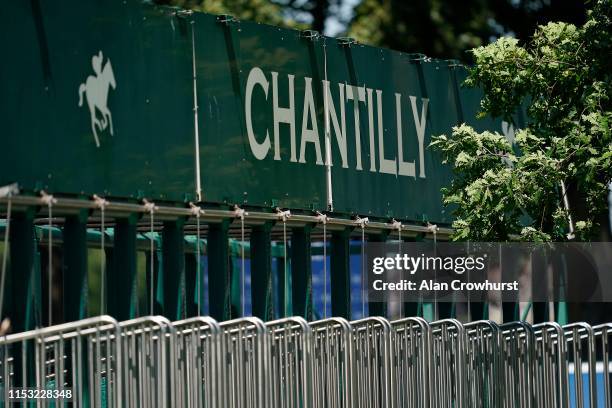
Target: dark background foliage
{"x":436,"y":28}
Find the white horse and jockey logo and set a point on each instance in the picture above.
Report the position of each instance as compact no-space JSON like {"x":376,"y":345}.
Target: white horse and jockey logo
{"x":96,"y":91}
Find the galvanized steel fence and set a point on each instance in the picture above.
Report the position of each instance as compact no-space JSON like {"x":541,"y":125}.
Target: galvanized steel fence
{"x":290,"y":363}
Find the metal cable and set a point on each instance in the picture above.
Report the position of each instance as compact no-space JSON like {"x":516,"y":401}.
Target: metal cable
{"x":199,"y":270}
{"x":325,"y":269}
{"x":363,"y":272}
{"x":284,"y":215}
{"x":399,"y":249}
{"x":434,"y":229}
{"x":240,"y":213}
{"x":102,"y":203}
{"x":323,"y":219}
{"x":242,"y":265}
{"x":102,"y":263}
{"x":152,"y":255}
{"x":286,"y":297}
{"x":50,"y":260}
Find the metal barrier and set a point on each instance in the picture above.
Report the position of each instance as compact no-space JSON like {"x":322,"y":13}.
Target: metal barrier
{"x":373,"y":380}
{"x":550,"y":380}
{"x":289,"y":363}
{"x":83,"y":357}
{"x":198,"y":350}
{"x":580,"y":343}
{"x":447,"y":363}
{"x":149,"y":355}
{"x":483,"y":368}
{"x":332,"y":363}
{"x":411,"y":353}
{"x":517,"y":358}
{"x":245,"y":366}
{"x":603,"y":335}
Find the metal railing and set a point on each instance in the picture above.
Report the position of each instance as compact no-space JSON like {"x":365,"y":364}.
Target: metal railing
{"x":84,"y":357}
{"x":372,"y":363}
{"x":244,"y":370}
{"x":289,"y":363}
{"x":198,"y":351}
{"x":149,"y":372}
{"x":290,"y":359}
{"x":332,"y":370}
{"x":411,"y":354}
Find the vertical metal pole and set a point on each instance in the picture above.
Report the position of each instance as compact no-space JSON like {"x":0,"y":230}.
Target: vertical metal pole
{"x":24,"y":294}
{"x":510,"y":309}
{"x":415,"y":308}
{"x":195,"y":116}
{"x":22,"y":280}
{"x":279,"y":292}
{"x":429,"y":310}
{"x":192,"y":292}
{"x":173,"y":276}
{"x":261,"y":271}
{"x":560,"y":288}
{"x":122,"y":293}
{"x":477,"y":310}
{"x":341,"y":273}
{"x":154,"y":272}
{"x":539,"y":278}
{"x":301,"y":271}
{"x":376,"y":308}
{"x":199,"y":283}
{"x":193,"y":272}
{"x":284,"y":293}
{"x":219,"y":282}
{"x":328,"y":152}
{"x":75,"y":267}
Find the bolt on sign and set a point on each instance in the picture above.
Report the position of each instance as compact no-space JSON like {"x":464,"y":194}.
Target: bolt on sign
{"x":134,"y":100}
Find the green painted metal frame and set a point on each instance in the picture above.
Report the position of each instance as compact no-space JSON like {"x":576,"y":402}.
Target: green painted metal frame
{"x":75,"y":285}
{"x":301,"y":271}
{"x":219,"y":278}
{"x":172,"y":283}
{"x":261,"y":271}
{"x":122,"y":295}
{"x":74,"y":239}
{"x":340,"y":273}
{"x":24,"y":298}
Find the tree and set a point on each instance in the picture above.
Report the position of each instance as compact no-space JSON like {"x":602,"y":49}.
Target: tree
{"x":434,"y":27}
{"x":556,"y":186}
{"x":447,"y":29}
{"x":521,"y":17}
{"x":300,"y":14}
{"x":262,"y":11}
{"x":317,"y":10}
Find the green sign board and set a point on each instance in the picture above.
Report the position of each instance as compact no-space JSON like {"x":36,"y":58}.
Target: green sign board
{"x":126,"y":99}
{"x":97,"y":97}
